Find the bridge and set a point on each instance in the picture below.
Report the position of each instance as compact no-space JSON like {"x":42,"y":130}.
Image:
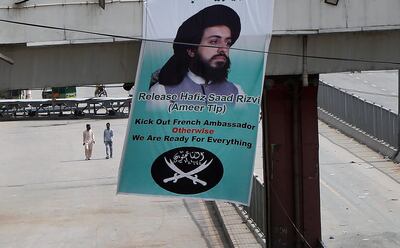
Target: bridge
{"x":92,"y":44}
{"x":309,"y":37}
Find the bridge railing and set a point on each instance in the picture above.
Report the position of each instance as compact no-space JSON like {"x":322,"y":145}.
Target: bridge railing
{"x":255,"y":213}
{"x":364,"y":115}
{"x":65,"y":108}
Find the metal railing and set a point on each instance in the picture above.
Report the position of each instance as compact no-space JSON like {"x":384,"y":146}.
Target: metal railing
{"x":65,"y":108}
{"x":364,"y":115}
{"x":255,"y":212}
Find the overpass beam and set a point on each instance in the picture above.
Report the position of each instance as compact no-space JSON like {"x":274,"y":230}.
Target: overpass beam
{"x":292,"y":172}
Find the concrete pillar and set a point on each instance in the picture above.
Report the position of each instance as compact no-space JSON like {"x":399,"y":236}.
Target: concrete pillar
{"x":292,"y":179}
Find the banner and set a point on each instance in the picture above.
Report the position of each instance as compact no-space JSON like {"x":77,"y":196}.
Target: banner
{"x":193,"y":126}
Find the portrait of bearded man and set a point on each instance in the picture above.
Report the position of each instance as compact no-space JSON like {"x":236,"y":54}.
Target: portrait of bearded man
{"x":200,"y":63}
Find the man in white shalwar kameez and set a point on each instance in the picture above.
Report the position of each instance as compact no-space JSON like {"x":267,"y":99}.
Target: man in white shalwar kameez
{"x":88,"y":141}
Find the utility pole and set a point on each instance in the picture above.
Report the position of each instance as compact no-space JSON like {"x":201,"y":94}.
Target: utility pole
{"x":293,"y":197}
{"x":398,"y":117}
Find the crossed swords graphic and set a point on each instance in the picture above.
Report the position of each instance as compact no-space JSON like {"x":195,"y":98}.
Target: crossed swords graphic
{"x":190,"y":175}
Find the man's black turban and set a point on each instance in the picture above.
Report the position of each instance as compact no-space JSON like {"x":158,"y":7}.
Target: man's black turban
{"x":191,"y":31}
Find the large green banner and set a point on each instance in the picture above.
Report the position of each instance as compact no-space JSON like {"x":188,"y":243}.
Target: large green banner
{"x":195,"y":111}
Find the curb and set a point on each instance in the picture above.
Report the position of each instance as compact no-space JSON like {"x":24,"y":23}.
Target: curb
{"x":235,"y":228}
{"x":213,"y":205}
{"x":251,"y":225}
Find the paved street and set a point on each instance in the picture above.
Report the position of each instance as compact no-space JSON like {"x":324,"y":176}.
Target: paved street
{"x":51,"y":197}
{"x":360,"y":194}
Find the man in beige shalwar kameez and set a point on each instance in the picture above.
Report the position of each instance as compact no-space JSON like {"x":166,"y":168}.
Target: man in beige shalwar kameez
{"x":88,"y":141}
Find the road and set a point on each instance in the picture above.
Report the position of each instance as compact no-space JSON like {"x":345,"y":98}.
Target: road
{"x":52,"y":197}
{"x":360,"y":194}
{"x":379,"y":87}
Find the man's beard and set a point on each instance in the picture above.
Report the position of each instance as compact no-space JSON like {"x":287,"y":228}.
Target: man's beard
{"x":203,"y":69}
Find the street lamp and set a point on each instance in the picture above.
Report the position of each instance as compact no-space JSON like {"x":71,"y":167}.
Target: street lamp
{"x":6,"y":59}
{"x":332,"y":2}
{"x":102,"y":4}
{"x":21,"y":1}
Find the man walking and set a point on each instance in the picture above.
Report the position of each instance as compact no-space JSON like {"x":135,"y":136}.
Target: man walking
{"x":108,"y":140}
{"x":88,"y":141}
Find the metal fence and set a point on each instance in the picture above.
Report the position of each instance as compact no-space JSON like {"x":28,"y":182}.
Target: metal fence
{"x":255,"y":212}
{"x":368,"y":117}
{"x":23,"y":109}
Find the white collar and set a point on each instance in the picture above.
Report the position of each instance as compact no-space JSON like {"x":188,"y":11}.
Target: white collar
{"x":195,"y":78}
